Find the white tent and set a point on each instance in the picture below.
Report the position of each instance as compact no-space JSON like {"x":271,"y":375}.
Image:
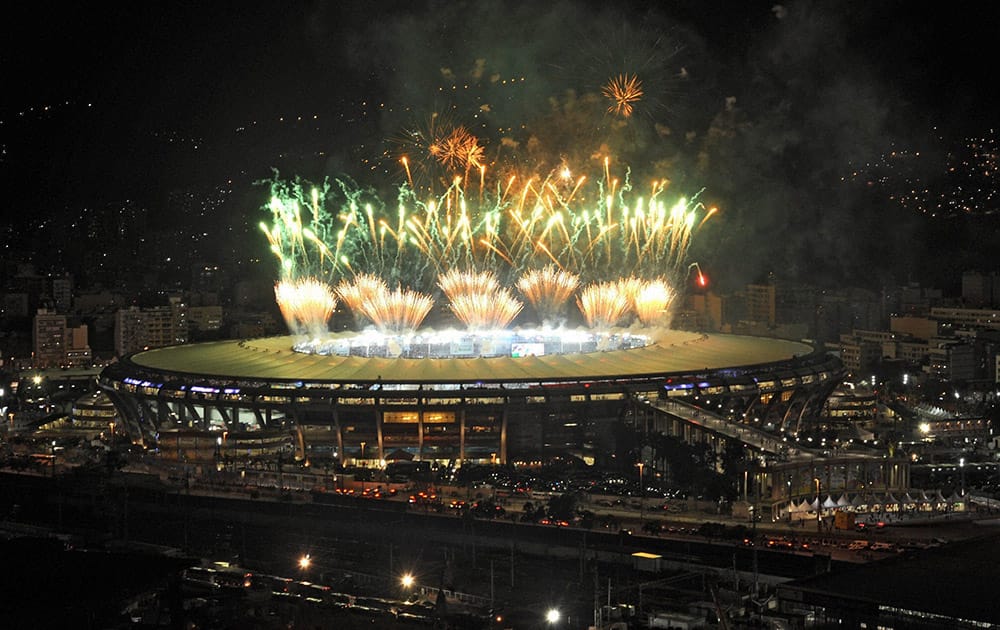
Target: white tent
{"x":829,"y":503}
{"x":843,"y":501}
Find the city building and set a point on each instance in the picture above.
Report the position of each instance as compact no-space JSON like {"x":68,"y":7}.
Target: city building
{"x":760,"y":300}
{"x":967,"y":318}
{"x":981,"y":290}
{"x":48,"y":338}
{"x":138,"y":328}
{"x":952,"y":359}
{"x":78,"y":351}
{"x":204,"y":318}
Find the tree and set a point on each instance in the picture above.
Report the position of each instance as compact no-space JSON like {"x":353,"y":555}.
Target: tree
{"x":563,"y":507}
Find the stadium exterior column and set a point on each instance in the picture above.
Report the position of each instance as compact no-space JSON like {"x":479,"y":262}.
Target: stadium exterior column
{"x":340,"y":433}
{"x":503,"y":434}
{"x":420,"y":434}
{"x":461,"y":434}
{"x":378,"y":429}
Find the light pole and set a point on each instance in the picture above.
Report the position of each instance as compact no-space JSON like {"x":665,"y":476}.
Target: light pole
{"x":961,"y":470}
{"x":819,"y":507}
{"x":642,"y":494}
{"x":788,"y":484}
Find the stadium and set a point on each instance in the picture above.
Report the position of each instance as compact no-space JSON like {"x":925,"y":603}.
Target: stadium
{"x":440,"y":365}
{"x":242,"y":399}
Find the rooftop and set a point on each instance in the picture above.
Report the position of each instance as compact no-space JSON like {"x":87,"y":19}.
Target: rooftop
{"x":272,"y":358}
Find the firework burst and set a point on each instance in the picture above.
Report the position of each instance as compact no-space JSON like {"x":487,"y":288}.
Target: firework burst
{"x":651,"y":301}
{"x":356,"y":291}
{"x":397,"y":312}
{"x":458,"y":151}
{"x":548,"y":290}
{"x":603,"y":304}
{"x":306,"y":305}
{"x":456,"y":283}
{"x":623,"y":91}
{"x":486,"y":311}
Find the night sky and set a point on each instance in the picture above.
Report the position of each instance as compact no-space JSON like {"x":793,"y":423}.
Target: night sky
{"x":768,"y":108}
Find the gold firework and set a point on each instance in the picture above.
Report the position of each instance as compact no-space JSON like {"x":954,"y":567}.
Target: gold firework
{"x":623,"y":90}
{"x":459,"y":150}
{"x":548,"y":289}
{"x":455,"y":283}
{"x":356,"y":291}
{"x":603,"y":304}
{"x":651,"y":302}
{"x":397,"y":312}
{"x":486,"y":311}
{"x":306,"y":305}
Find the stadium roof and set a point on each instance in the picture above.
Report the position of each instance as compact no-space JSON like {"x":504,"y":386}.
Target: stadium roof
{"x":272,"y":358}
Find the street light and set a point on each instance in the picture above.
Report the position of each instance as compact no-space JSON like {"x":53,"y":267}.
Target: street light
{"x":552,"y":616}
{"x":407,"y":580}
{"x":642,"y":493}
{"x":305,"y":562}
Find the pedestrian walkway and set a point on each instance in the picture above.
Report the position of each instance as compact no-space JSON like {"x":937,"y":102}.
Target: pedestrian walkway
{"x":752,"y":437}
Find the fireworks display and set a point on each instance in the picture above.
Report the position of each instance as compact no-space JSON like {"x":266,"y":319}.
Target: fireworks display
{"x":548,"y":290}
{"x":651,"y":301}
{"x":455,"y":283}
{"x":603,"y":304}
{"x":477,"y":300}
{"x":486,"y":311}
{"x":599,"y":232}
{"x":398,"y":312}
{"x":306,"y":305}
{"x":468,"y":223}
{"x":544,"y":235}
{"x":356,"y":291}
{"x":623,"y":91}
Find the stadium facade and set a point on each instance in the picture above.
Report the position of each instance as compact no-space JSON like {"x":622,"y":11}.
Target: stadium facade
{"x":243,"y":399}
